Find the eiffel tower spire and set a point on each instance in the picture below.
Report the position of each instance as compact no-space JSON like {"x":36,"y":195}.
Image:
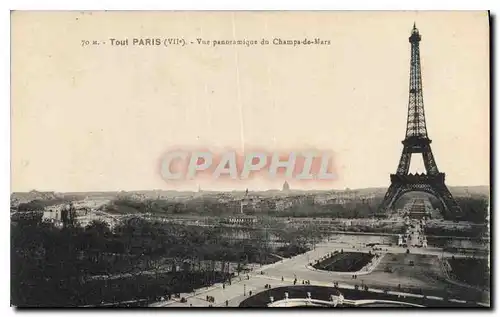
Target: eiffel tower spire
{"x":415,"y":124}
{"x":416,"y":138}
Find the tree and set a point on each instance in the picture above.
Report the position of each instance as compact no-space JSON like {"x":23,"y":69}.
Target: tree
{"x":68,"y":216}
{"x":98,"y":228}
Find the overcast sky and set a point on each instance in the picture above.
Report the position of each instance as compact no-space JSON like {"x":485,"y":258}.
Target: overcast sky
{"x":101,"y":117}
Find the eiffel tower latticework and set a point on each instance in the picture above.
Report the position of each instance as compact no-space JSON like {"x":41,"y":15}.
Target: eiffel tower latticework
{"x":417,"y":141}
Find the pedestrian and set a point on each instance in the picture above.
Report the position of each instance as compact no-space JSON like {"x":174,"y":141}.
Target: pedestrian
{"x":282,"y":279}
{"x":227,"y":303}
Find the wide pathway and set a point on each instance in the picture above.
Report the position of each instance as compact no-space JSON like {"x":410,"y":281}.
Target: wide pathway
{"x":425,"y":275}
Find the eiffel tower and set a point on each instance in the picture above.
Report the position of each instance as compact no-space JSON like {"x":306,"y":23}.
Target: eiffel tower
{"x":417,"y":141}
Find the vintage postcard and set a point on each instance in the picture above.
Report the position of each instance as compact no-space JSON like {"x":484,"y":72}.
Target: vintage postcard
{"x":250,"y":159}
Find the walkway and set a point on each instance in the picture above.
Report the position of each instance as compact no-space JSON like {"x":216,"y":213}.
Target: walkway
{"x":296,"y":267}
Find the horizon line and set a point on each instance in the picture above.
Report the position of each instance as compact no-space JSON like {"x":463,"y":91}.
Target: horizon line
{"x":224,"y":190}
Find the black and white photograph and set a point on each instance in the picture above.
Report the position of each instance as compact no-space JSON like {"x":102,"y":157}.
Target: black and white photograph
{"x":250,"y":159}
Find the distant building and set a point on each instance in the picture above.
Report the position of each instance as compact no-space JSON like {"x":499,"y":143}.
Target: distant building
{"x":281,"y":204}
{"x":52,"y":214}
{"x":286,"y":186}
{"x":241,"y":220}
{"x":400,"y":240}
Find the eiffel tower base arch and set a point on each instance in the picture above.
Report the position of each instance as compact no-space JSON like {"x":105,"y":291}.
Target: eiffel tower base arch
{"x":431,"y":184}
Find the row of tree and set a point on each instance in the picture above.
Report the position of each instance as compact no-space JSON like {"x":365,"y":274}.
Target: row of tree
{"x":475,"y":208}
{"x":49,"y":262}
{"x":356,"y":208}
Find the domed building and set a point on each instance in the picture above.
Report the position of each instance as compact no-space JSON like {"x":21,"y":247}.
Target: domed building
{"x":286,"y":186}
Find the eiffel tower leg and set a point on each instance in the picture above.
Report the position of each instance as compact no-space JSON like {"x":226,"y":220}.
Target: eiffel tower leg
{"x":404,"y":162}
{"x":452,"y":208}
{"x":390,"y":197}
{"x":429,"y":161}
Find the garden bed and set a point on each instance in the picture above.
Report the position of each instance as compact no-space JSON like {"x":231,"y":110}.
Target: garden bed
{"x":345,"y":262}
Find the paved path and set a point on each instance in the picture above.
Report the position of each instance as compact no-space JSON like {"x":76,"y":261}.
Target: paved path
{"x":423,"y":275}
{"x":420,"y":270}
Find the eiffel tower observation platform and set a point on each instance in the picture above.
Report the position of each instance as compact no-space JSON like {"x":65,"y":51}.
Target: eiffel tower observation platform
{"x":417,"y":178}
